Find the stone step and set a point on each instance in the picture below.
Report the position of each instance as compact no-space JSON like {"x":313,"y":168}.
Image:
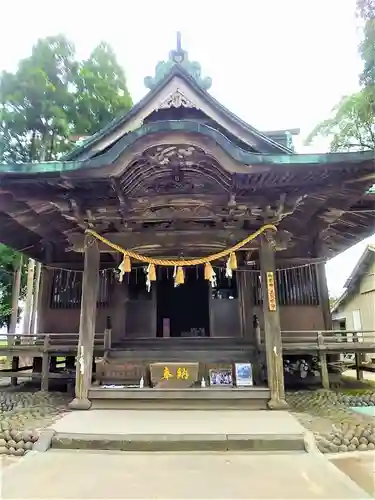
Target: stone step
{"x":178,"y":343}
{"x":163,"y":355}
{"x":179,"y":442}
{"x":247,"y":398}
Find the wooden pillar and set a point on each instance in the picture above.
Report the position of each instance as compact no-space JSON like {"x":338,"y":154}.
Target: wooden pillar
{"x":210,"y":310}
{"x":90,"y":288}
{"x":44,"y":298}
{"x":358,"y":360}
{"x":154,"y":317}
{"x":272,"y":331}
{"x":14,"y":316}
{"x":34,"y":311}
{"x":29,"y":297}
{"x":246,"y":305}
{"x":15,"y":300}
{"x":324,"y":295}
{"x":323,"y":362}
{"x":44,"y":383}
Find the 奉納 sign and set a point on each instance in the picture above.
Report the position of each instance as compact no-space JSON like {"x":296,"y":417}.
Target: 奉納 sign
{"x":174,"y":375}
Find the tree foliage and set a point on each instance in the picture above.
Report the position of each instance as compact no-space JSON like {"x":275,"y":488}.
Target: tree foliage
{"x":49,"y":101}
{"x":37,"y":102}
{"x":352,"y":124}
{"x":52,"y":98}
{"x":9,"y":261}
{"x":366,"y":10}
{"x":101,"y":93}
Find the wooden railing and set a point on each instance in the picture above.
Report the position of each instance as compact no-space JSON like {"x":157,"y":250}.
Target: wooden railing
{"x":299,"y":339}
{"x":47,"y":346}
{"x":326,"y":340}
{"x":46,"y":342}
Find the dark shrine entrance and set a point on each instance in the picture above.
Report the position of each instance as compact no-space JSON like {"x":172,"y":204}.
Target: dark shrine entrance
{"x":183,"y":311}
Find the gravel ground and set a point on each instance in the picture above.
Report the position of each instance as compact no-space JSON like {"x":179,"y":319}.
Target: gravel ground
{"x":23,"y":414}
{"x":326,"y":413}
{"x":336,"y":427}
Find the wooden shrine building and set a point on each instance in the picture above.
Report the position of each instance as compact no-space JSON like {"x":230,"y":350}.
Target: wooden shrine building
{"x":176,"y":178}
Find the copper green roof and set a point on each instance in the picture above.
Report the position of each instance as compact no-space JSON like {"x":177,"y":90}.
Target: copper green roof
{"x":241,"y":156}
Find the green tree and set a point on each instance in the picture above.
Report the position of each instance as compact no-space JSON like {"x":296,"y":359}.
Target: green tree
{"x":37,"y":102}
{"x":366,"y":11}
{"x":352,"y":124}
{"x":51,"y":98}
{"x":9,"y":261}
{"x":101,"y":91}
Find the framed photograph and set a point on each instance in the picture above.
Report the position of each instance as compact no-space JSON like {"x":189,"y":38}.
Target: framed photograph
{"x":221,"y":377}
{"x":243,"y":374}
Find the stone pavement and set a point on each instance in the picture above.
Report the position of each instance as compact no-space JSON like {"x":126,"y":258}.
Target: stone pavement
{"x":179,"y":430}
{"x":107,"y":475}
{"x":359,"y":466}
{"x":179,"y":422}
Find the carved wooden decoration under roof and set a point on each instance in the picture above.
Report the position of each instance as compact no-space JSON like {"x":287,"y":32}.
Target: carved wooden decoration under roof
{"x":176,"y":99}
{"x":182,"y":169}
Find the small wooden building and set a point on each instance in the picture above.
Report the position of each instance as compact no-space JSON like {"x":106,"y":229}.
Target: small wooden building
{"x":182,"y":177}
{"x":355,"y":308}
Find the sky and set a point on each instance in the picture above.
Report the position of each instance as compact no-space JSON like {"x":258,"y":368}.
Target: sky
{"x":275,"y":63}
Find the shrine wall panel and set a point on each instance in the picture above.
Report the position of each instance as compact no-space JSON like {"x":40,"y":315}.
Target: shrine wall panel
{"x":67,"y":320}
{"x":225,"y":320}
{"x":296,"y":317}
{"x":140,"y":319}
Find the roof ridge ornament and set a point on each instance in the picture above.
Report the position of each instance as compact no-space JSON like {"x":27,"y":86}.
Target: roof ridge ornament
{"x":179,"y":57}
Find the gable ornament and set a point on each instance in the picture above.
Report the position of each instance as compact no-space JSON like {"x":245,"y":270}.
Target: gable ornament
{"x":177,"y":99}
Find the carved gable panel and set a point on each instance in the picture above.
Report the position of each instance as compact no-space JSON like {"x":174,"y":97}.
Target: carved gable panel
{"x":175,"y":169}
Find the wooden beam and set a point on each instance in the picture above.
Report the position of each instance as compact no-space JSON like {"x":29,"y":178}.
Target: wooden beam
{"x":162,"y":239}
{"x":28,"y":218}
{"x":272,"y":330}
{"x":90,"y":288}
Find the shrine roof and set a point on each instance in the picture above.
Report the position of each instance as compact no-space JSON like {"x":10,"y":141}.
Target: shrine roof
{"x":242,"y":157}
{"x":177,"y":80}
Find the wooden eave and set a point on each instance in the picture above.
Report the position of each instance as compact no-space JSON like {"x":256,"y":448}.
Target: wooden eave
{"x":177,"y":80}
{"x":42,"y":205}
